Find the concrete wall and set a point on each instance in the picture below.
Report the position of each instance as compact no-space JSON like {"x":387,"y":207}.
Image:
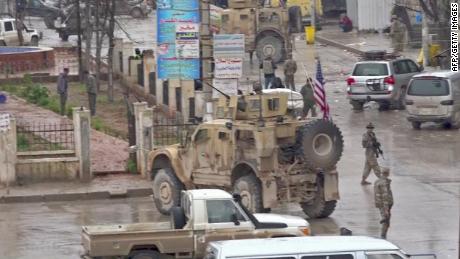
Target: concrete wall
{"x":47,"y":169}
{"x":8,"y":154}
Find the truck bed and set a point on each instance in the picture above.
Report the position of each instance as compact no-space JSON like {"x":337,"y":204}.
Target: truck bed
{"x":118,"y":240}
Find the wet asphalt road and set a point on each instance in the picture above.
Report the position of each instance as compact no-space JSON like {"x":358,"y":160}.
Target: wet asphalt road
{"x":425,"y":172}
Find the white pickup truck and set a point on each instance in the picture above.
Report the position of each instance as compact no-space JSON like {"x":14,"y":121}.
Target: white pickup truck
{"x":9,"y":34}
{"x":206,"y":215}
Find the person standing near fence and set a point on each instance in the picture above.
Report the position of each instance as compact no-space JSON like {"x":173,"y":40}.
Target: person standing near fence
{"x":91,"y":89}
{"x":62,"y":87}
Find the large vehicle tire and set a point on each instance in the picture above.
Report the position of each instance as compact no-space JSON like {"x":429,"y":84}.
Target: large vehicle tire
{"x":64,"y":36}
{"x":320,"y":144}
{"x":295,"y":19}
{"x":144,"y":254}
{"x":416,"y":125}
{"x":166,"y":190}
{"x":249,"y":188}
{"x":178,"y":217}
{"x":34,"y":41}
{"x":318,"y":207}
{"x":271,"y":45}
{"x":357,"y":106}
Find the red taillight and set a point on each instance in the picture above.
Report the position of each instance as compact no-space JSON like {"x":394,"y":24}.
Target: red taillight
{"x":350,"y":81}
{"x":389,"y":80}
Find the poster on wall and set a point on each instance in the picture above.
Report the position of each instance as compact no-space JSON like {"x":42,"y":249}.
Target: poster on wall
{"x":228,"y":68}
{"x":216,"y":18}
{"x":227,"y":86}
{"x":228,"y":45}
{"x":187,"y":40}
{"x":170,"y":13}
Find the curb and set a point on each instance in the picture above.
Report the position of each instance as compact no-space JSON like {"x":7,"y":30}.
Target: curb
{"x":98,"y":195}
{"x":339,"y":45}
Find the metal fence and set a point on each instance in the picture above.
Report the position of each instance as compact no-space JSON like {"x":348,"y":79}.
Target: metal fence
{"x":170,"y":129}
{"x":45,"y":137}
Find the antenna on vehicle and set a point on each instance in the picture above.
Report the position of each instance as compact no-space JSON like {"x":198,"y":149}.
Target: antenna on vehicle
{"x":222,"y":93}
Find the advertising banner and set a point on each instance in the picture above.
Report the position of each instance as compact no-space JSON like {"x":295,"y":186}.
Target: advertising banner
{"x":228,"y":68}
{"x":187,"y":40}
{"x":228,"y":45}
{"x":170,"y":65}
{"x":216,"y":18}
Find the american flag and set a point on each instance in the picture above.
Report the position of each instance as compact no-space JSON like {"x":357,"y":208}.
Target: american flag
{"x":320,"y":91}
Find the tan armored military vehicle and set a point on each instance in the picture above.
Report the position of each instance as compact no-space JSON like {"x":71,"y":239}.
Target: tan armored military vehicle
{"x":255,"y":149}
{"x":266,"y":28}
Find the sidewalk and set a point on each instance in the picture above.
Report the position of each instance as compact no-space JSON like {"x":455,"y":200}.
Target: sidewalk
{"x":359,"y":43}
{"x":101,"y":187}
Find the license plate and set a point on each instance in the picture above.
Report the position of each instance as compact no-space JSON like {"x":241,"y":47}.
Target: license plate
{"x":358,"y":89}
{"x":425,"y":111}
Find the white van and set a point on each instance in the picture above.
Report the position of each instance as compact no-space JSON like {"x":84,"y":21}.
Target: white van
{"x":314,"y":247}
{"x":434,"y":97}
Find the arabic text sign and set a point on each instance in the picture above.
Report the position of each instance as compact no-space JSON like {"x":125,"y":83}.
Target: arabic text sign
{"x":228,"y":68}
{"x":229,"y":45}
{"x":4,"y":122}
{"x":187,"y":40}
{"x":169,"y":14}
{"x":227,"y":86}
{"x":216,"y":18}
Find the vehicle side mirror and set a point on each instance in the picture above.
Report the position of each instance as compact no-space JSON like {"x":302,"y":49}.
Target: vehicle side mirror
{"x":420,"y":68}
{"x":237,"y":197}
{"x":235,"y":219}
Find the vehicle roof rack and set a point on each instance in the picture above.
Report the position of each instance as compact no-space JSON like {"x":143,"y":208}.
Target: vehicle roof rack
{"x":378,"y":55}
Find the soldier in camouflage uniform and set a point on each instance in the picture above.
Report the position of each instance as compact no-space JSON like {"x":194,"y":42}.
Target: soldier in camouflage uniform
{"x":384,"y":200}
{"x":397,"y":34}
{"x":371,"y":162}
{"x":290,"y":68}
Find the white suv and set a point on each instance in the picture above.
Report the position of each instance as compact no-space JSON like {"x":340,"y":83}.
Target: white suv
{"x":382,"y":81}
{"x":9,"y":34}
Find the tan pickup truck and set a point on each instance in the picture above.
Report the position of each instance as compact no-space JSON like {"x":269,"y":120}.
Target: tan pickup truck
{"x":205,"y":215}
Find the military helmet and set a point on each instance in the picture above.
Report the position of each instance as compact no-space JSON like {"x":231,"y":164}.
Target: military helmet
{"x":370,"y":126}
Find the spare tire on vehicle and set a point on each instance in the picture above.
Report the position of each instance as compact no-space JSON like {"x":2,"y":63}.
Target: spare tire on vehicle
{"x":270,"y":45}
{"x":320,"y":144}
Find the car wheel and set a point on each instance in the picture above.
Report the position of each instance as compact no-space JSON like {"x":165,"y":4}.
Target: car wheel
{"x":166,"y":190}
{"x":319,"y":207}
{"x":144,"y":254}
{"x":137,"y":13}
{"x":416,"y":125}
{"x":34,"y":41}
{"x":357,"y":106}
{"x":249,"y":188}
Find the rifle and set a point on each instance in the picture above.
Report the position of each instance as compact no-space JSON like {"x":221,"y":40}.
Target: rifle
{"x":376,"y":146}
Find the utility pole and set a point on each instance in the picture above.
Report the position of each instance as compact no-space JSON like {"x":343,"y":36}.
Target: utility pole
{"x":206,"y":50}
{"x":313,"y":13}
{"x":80,"y":62}
{"x":425,"y":39}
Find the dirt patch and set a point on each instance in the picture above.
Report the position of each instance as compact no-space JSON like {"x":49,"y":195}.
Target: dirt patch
{"x":108,"y":153}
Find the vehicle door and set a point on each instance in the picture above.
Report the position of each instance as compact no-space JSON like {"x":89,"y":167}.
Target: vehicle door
{"x":455,"y":95}
{"x":223,"y":153}
{"x":202,"y":144}
{"x":225,"y":221}
{"x":401,"y":74}
{"x":413,"y":70}
{"x":340,"y":255}
{"x":10,"y":33}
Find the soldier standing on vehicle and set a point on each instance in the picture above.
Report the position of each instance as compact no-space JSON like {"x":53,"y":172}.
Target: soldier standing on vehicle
{"x":369,"y":142}
{"x":268,"y":66}
{"x":309,"y":102}
{"x":384,"y":200}
{"x":62,"y":86}
{"x":397,"y":34}
{"x":290,"y":68}
{"x":91,"y":89}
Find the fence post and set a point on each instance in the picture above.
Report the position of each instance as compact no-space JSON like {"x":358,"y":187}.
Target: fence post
{"x":139,"y":109}
{"x":8,"y":154}
{"x":82,"y":130}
